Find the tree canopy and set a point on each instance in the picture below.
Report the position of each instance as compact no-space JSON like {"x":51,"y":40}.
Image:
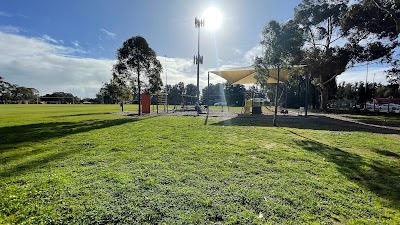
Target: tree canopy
{"x":138,"y":67}
{"x":12,"y":93}
{"x":377,"y":23}
{"x":330,"y":36}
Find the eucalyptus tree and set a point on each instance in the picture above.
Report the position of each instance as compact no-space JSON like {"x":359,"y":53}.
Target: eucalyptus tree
{"x":5,"y":90}
{"x":138,"y":67}
{"x":326,"y":51}
{"x":376,"y":23}
{"x":282,"y":45}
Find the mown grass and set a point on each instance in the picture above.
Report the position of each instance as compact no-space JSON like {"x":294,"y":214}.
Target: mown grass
{"x":82,"y":165}
{"x":388,"y":117}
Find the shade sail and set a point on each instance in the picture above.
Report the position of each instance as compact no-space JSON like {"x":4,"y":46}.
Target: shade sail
{"x":246,"y":75}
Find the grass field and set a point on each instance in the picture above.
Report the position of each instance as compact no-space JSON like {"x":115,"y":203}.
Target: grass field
{"x":80,"y":164}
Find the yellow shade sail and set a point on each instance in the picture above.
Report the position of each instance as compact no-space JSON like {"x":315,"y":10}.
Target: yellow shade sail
{"x":247,"y":75}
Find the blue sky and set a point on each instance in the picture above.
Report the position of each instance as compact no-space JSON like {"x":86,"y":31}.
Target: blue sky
{"x":70,"y":45}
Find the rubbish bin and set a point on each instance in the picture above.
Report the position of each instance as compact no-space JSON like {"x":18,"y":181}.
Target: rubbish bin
{"x":257,"y":103}
{"x":256,"y":110}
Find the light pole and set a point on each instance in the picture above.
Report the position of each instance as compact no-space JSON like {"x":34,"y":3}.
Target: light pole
{"x":208,"y":95}
{"x":198,"y":59}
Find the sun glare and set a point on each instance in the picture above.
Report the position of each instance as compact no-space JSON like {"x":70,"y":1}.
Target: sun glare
{"x":213,"y":18}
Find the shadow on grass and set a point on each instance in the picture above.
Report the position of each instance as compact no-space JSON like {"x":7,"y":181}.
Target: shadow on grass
{"x":379,"y":177}
{"x":319,"y":122}
{"x":81,"y":114}
{"x":386,"y":153}
{"x":34,"y":164}
{"x":13,"y":137}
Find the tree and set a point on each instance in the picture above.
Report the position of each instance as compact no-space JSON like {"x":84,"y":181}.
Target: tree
{"x":215,"y":94}
{"x":138,"y":67}
{"x":24,"y":94}
{"x":61,"y":97}
{"x":235,"y":94}
{"x":325,"y":57}
{"x":282,"y":48}
{"x":113,"y":90}
{"x":377,"y":23}
{"x":191,"y":90}
{"x":5,"y":90}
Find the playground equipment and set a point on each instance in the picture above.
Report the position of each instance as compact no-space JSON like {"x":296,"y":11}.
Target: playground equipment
{"x":189,"y":105}
{"x":161,"y":99}
{"x":257,"y":103}
{"x":247,"y":106}
{"x":253,"y":106}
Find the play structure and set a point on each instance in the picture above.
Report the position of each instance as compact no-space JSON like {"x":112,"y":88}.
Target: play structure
{"x":276,"y":75}
{"x":161,"y":100}
{"x":189,"y":105}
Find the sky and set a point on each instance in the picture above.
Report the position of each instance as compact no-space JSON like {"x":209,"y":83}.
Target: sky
{"x":70,"y":46}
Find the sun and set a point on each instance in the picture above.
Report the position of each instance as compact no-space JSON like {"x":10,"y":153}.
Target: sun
{"x":213,"y":18}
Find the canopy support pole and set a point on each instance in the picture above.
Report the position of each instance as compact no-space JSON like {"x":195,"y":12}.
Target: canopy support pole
{"x":276,"y":97}
{"x":307,"y":84}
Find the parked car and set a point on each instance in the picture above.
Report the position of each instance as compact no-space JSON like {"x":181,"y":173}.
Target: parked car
{"x":220,"y":103}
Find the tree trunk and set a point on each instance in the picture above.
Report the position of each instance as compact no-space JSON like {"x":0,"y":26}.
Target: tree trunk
{"x":324,"y":97}
{"x":139,"y":100}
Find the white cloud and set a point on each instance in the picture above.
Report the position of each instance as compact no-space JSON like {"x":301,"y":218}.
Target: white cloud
{"x":22,"y":15}
{"x":108,"y":33}
{"x":250,"y":55}
{"x":49,"y":39}
{"x":357,"y":74}
{"x":183,"y":70}
{"x":11,"y":29}
{"x":5,"y":14}
{"x":33,"y":62}
{"x":75,"y":43}
{"x":237,"y":51}
{"x":49,"y":67}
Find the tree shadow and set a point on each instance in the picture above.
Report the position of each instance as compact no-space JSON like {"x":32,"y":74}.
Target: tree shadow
{"x":15,"y":136}
{"x":319,"y":122}
{"x":32,"y":164}
{"x":384,"y":152}
{"x":81,"y":114}
{"x":378,"y":177}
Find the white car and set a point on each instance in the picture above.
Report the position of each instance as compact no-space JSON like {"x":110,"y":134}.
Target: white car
{"x":394,"y":108}
{"x":221,"y":104}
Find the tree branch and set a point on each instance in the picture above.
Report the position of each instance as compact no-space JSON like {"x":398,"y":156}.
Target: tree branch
{"x":391,"y":12}
{"x":330,"y":79}
{"x":328,"y":39}
{"x":312,"y":37}
{"x":340,"y":36}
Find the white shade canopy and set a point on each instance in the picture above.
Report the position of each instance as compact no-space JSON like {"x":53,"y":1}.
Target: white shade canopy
{"x":246,"y":75}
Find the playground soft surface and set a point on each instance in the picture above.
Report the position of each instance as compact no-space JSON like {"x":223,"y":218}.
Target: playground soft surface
{"x":79,"y":164}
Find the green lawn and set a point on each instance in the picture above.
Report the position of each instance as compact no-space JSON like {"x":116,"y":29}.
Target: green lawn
{"x":382,"y":117}
{"x":80,"y":164}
